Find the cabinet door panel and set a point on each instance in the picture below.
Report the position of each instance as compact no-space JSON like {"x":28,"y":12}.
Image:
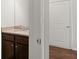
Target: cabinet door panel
{"x":8,"y":50}
{"x":9,"y":37}
{"x":21,"y":39}
{"x":21,"y":51}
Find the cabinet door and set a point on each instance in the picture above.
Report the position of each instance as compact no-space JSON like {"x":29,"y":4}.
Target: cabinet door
{"x":21,"y":51}
{"x":8,"y":50}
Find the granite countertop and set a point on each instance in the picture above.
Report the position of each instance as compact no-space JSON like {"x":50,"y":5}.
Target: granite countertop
{"x":18,"y":30}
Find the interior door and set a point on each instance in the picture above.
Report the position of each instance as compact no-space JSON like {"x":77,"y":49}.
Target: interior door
{"x":60,"y":32}
{"x":35,"y":30}
{"x":39,"y":29}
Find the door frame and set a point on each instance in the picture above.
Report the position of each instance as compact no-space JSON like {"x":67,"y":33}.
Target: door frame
{"x":74,"y":24}
{"x":45,"y":28}
{"x":73,"y":7}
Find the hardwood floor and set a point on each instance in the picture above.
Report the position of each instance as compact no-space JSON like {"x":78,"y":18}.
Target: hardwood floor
{"x":60,"y":53}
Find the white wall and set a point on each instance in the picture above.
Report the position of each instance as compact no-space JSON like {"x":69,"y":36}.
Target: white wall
{"x":22,"y":12}
{"x":15,"y":12}
{"x":7,"y":13}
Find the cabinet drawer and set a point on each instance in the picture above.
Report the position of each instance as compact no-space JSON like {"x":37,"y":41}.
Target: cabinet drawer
{"x":7,"y":37}
{"x":21,"y":39}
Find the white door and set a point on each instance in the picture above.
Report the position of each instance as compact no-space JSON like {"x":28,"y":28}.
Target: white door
{"x":60,"y":32}
{"x":38,"y":38}
{"x":35,"y":30}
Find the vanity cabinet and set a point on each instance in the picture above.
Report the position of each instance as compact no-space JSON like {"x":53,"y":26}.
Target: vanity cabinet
{"x":21,"y":51}
{"x":8,"y":50}
{"x":14,"y":46}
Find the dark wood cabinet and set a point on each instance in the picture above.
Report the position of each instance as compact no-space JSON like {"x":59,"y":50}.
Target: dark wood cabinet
{"x":8,"y":50}
{"x":21,"y":51}
{"x":14,"y":46}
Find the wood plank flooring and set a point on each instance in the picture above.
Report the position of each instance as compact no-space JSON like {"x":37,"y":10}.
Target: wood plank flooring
{"x":60,"y":53}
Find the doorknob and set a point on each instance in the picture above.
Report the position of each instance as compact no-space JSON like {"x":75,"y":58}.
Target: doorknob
{"x":38,"y":41}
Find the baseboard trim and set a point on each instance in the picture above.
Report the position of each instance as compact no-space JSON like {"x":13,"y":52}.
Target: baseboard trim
{"x":74,"y":49}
